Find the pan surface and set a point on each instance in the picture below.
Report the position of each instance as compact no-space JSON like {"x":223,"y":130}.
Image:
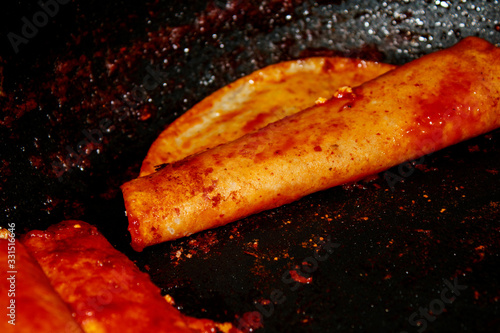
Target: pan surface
{"x":85,"y":92}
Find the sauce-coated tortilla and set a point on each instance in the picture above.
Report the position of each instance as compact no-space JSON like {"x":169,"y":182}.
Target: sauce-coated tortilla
{"x":28,"y":300}
{"x":425,"y":105}
{"x":104,"y":289}
{"x":254,"y":101}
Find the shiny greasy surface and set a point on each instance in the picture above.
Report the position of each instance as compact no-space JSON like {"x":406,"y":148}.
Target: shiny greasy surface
{"x":399,"y":241}
{"x":37,"y":306}
{"x":254,"y":101}
{"x":409,"y":112}
{"x":104,"y":289}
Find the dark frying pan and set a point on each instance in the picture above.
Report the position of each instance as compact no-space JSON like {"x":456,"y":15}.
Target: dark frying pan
{"x":410,"y":250}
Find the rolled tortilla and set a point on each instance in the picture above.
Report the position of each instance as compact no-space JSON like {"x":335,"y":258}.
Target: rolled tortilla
{"x":29,"y":302}
{"x":425,"y":105}
{"x":253,"y":101}
{"x":104,"y":289}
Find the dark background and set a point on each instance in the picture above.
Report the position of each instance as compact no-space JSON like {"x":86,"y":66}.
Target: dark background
{"x":397,"y":245}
